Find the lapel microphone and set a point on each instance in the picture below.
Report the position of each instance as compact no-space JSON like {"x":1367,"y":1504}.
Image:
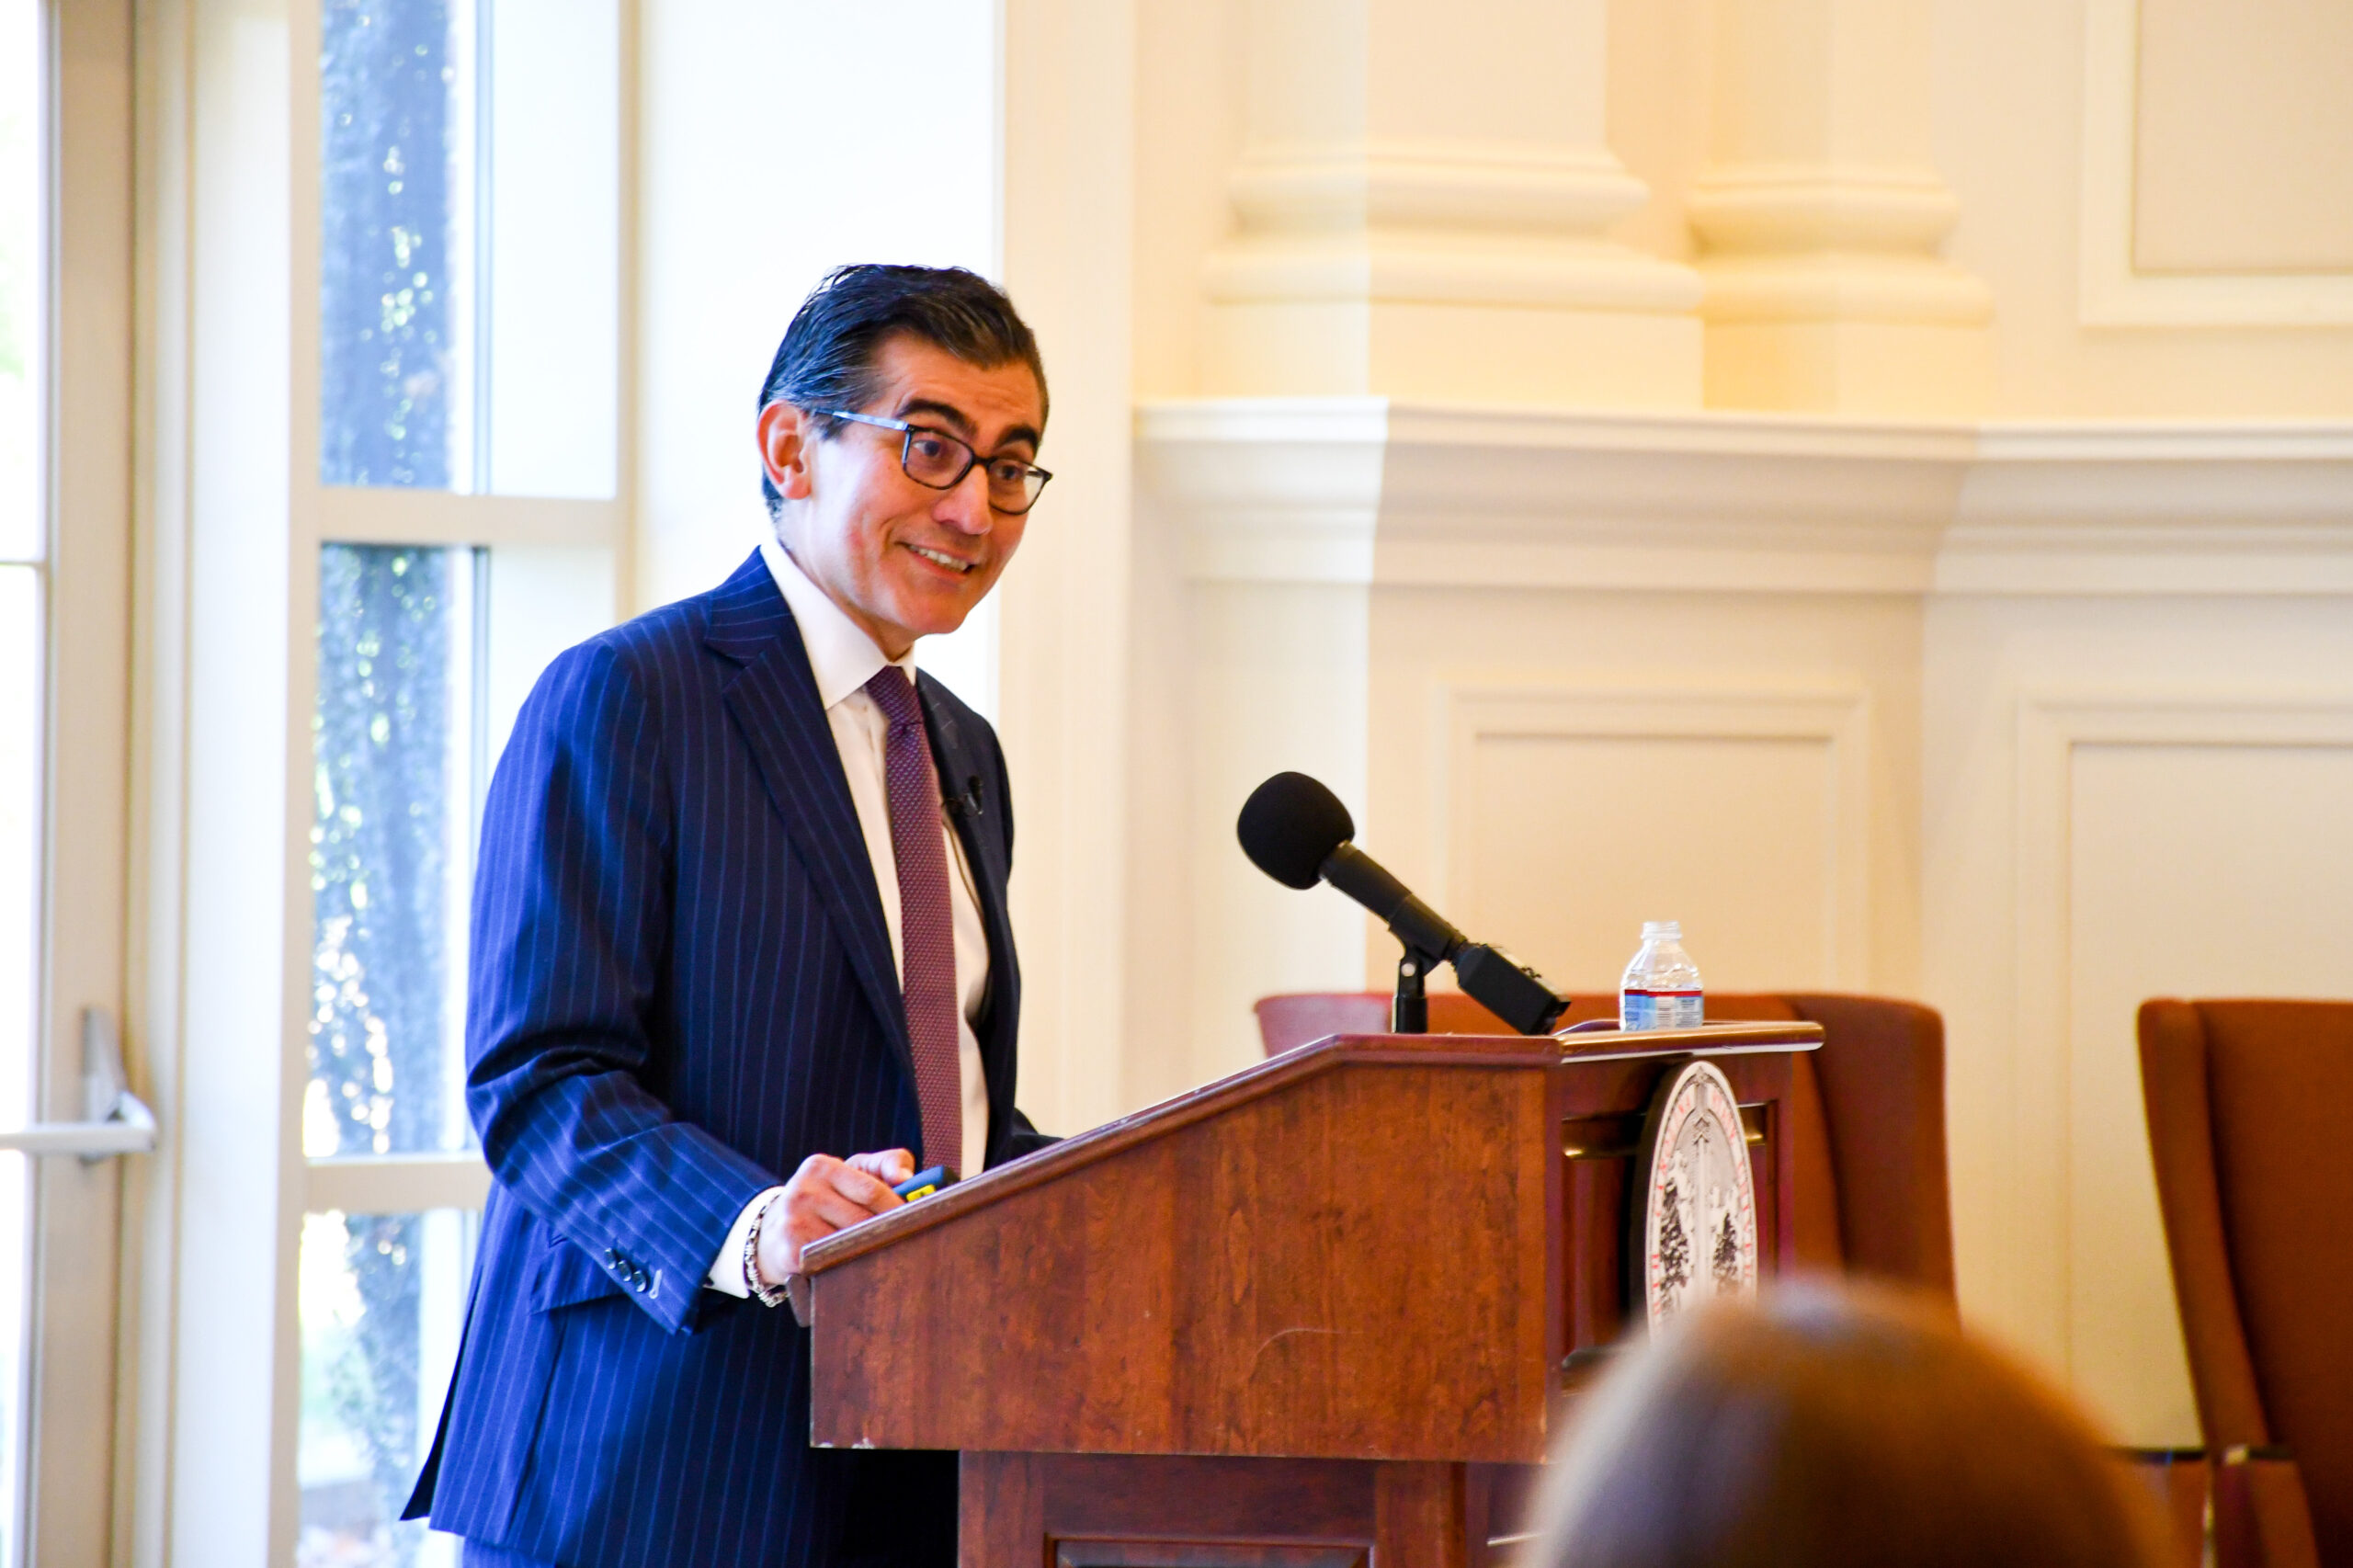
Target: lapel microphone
{"x":960,"y":807}
{"x":966,"y":805}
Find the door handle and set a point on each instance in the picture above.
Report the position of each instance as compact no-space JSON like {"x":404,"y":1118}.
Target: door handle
{"x":118,"y":1121}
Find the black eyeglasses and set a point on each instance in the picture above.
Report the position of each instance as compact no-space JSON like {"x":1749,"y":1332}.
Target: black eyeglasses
{"x":937,"y":460}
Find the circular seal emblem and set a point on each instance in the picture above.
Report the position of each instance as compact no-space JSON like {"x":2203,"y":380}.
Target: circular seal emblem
{"x":1695,"y":1210}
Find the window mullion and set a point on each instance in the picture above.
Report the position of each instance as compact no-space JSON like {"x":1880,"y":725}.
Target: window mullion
{"x":396,"y":1184}
{"x":382,"y":515}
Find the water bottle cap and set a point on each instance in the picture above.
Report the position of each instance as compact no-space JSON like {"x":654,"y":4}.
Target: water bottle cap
{"x":1662,"y":930}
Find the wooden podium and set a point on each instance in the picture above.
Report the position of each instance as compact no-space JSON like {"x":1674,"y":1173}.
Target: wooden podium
{"x":1322,"y":1312}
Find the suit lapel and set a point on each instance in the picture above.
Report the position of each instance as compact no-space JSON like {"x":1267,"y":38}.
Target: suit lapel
{"x":963,"y":777}
{"x":773,"y":698}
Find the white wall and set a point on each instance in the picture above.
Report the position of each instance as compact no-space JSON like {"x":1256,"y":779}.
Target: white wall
{"x":1575,"y":763}
{"x":2126,"y":797}
{"x":2034,"y":116}
{"x":777,"y":142}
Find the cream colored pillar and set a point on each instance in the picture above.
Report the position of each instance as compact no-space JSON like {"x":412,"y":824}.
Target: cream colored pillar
{"x":1420,"y":212}
{"x":1821,"y":219}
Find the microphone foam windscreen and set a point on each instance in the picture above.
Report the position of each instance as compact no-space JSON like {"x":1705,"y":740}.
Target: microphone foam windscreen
{"x":1289,"y":825}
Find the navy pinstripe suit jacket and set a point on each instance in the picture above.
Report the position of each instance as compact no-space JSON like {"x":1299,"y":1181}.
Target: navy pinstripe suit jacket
{"x":681,"y":986}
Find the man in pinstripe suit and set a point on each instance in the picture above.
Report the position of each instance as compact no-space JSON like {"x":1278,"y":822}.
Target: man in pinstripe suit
{"x":735,"y":969}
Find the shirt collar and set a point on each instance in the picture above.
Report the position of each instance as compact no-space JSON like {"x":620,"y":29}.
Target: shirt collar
{"x":841,"y":655}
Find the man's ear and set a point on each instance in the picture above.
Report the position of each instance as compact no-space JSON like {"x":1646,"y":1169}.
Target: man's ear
{"x":785,"y":436}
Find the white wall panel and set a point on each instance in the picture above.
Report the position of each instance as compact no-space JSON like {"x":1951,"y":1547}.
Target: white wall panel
{"x":1572,"y":814}
{"x":2115,"y":790}
{"x":2243,"y":137}
{"x":2193,"y":870}
{"x":2194,"y":117}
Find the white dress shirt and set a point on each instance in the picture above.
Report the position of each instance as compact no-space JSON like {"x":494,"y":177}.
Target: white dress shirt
{"x":843,"y":658}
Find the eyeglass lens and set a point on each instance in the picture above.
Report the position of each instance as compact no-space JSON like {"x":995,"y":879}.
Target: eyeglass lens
{"x":941,"y":461}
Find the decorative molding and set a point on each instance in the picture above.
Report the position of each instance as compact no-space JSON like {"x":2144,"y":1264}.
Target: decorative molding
{"x":1468,"y":707}
{"x":1508,"y":498}
{"x":2154,"y":509}
{"x":1718,"y":501}
{"x":1788,"y":243}
{"x":1357,"y":267}
{"x":1373,"y":491}
{"x":1447,"y":222}
{"x":1272,"y":490}
{"x":2052,"y":723}
{"x":1429,"y":184}
{"x":1781,"y":208}
{"x":2111,"y":291}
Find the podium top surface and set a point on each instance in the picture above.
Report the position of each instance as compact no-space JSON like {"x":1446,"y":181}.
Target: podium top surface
{"x":1277,"y":1072}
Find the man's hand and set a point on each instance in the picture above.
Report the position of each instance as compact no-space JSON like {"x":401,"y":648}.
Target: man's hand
{"x":827,"y":1195}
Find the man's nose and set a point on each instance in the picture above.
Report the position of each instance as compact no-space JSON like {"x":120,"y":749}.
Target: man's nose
{"x":965,"y":506}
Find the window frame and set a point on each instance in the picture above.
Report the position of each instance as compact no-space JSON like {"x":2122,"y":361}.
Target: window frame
{"x":231,"y":521}
{"x":74,"y":1258}
{"x":321,"y":515}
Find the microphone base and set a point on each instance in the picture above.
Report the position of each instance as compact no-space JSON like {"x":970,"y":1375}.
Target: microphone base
{"x":1409,"y":1009}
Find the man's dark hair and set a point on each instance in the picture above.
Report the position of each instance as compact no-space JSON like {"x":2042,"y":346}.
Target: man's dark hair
{"x":826,"y":359}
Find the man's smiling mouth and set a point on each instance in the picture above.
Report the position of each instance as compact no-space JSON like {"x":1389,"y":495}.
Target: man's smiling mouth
{"x":948,"y":560}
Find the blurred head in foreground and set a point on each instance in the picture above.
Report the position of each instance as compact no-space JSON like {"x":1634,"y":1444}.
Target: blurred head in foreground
{"x":1826,"y":1429}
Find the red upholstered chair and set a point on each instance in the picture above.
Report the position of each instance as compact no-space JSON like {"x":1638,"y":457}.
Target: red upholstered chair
{"x":2247,"y":1104}
{"x":1868,"y":1118}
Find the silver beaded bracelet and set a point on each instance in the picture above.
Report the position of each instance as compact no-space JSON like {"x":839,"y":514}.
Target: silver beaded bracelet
{"x":760,"y":1290}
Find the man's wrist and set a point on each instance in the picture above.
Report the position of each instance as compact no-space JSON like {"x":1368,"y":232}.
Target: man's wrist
{"x":754,"y":1286}
{"x":726,"y":1272}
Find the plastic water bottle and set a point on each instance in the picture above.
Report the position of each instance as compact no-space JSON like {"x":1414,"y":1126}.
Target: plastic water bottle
{"x":1661,"y":988}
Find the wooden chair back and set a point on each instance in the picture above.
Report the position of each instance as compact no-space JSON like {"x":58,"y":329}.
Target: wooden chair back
{"x":2247,"y":1102}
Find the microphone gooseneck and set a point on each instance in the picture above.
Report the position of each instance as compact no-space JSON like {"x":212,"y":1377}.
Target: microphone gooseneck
{"x":1368,"y":881}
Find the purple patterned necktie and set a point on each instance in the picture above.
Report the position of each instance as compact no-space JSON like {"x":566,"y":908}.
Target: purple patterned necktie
{"x":926,"y":936}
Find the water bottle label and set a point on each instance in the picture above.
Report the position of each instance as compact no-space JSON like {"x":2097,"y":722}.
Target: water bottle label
{"x":1659,"y":1009}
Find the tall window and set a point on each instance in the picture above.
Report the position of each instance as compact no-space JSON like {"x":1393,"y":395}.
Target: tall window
{"x":394,"y":88}
{"x":393,"y":761}
{"x":468,"y":328}
{"x":469,"y":259}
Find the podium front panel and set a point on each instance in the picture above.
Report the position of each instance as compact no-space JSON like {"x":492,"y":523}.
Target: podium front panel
{"x":1396,"y":1248}
{"x":1348,"y":1259}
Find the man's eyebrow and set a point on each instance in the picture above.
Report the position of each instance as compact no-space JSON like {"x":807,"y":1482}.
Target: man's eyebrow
{"x":950,"y":414}
{"x":947,"y":411}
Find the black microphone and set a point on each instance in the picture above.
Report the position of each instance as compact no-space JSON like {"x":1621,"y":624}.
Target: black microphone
{"x":966,"y":806}
{"x":1297,"y":831}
